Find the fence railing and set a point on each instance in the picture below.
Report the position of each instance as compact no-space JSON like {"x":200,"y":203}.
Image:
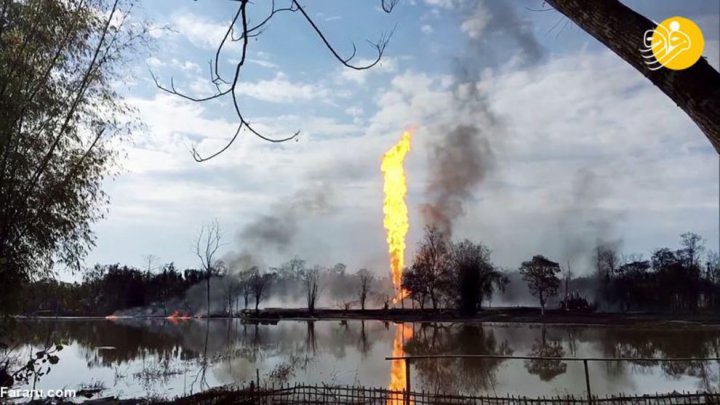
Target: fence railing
{"x":354,"y":395}
{"x":590,"y":399}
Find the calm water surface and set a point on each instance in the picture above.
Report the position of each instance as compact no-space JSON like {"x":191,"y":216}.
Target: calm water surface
{"x":134,"y":357}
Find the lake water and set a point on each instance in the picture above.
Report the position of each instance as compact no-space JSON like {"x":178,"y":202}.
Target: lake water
{"x":140,"y":357}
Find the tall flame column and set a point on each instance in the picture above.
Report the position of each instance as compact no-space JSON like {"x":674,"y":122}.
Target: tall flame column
{"x":395,"y":209}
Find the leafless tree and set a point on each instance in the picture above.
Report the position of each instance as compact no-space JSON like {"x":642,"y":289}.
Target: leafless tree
{"x":365,"y":279}
{"x":206,"y":247}
{"x":240,"y":31}
{"x":607,"y":260}
{"x":696,"y":90}
{"x":150,"y":262}
{"x":693,"y":248}
{"x":311,"y":281}
{"x":231,"y":288}
{"x":260,"y":286}
{"x":245,"y":288}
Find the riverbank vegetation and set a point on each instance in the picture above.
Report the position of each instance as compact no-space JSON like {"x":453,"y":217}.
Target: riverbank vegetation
{"x":456,"y":276}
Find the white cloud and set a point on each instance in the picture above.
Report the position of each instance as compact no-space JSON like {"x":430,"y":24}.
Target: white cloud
{"x":386,"y":65}
{"x":199,"y":30}
{"x":354,"y":111}
{"x":427,"y":29}
{"x":474,"y":24}
{"x":281,"y":90}
{"x":440,"y":3}
{"x":263,"y":63}
{"x":155,"y":62}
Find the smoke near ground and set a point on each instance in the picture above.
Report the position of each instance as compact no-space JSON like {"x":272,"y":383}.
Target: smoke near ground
{"x":276,"y":230}
{"x":463,"y":151}
{"x":583,"y":224}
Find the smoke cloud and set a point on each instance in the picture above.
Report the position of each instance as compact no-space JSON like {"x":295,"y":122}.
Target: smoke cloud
{"x":583,"y":224}
{"x":277,"y":230}
{"x":463,"y":153}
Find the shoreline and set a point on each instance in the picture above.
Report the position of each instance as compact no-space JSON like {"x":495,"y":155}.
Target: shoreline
{"x":491,"y":315}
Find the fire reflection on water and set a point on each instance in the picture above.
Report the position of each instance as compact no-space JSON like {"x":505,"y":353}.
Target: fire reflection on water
{"x":398,"y":373}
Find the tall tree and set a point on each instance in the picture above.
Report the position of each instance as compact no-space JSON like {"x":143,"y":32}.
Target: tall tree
{"x":414,"y":282}
{"x":475,"y":278}
{"x":311,"y":282}
{"x":365,"y":279}
{"x":541,"y":276}
{"x":432,"y":262}
{"x":260,"y":285}
{"x":206,"y":247}
{"x":696,"y":90}
{"x":59,"y":115}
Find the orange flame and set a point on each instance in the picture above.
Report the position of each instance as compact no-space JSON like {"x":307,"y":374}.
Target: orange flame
{"x":112,"y":317}
{"x":397,"y":367}
{"x":395,"y":210}
{"x":178,"y":316}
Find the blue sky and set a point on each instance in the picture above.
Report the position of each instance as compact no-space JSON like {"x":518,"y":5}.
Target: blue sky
{"x":576,"y":117}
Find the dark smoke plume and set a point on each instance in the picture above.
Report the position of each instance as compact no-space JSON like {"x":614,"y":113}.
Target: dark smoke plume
{"x":277,"y":229}
{"x":463,"y":153}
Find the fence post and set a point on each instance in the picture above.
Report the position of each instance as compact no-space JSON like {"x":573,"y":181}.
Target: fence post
{"x":587,"y":382}
{"x":407,"y":381}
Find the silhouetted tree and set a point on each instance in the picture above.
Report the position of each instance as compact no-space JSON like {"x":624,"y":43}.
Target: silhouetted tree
{"x":415,"y":283}
{"x":432,"y":262}
{"x":206,"y":247}
{"x":541,"y":276}
{"x":311,"y":282}
{"x":260,"y":285}
{"x":60,"y":117}
{"x":474,"y":276}
{"x":365,"y":279}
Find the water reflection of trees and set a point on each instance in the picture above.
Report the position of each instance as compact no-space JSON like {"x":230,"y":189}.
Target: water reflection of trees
{"x":668,"y":343}
{"x":544,"y":347}
{"x":235,"y":350}
{"x":456,"y":374}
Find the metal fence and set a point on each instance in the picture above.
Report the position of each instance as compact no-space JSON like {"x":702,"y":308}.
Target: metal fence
{"x":590,"y":398}
{"x":347,"y":395}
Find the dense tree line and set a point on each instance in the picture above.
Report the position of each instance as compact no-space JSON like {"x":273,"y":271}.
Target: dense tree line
{"x":106,"y":289}
{"x":682,"y":280}
{"x":443,"y":274}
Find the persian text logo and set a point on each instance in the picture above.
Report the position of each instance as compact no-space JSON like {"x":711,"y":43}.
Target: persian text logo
{"x":676,"y":43}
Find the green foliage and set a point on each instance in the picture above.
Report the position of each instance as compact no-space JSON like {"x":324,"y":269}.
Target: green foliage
{"x":541,"y":276}
{"x":459,"y":274}
{"x":474,"y":276}
{"x":60,"y":119}
{"x":672,"y":280}
{"x":34,"y":368}
{"x":106,"y":289}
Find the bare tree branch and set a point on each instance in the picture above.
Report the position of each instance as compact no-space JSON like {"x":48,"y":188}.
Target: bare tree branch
{"x":247,"y":32}
{"x":379,"y":45}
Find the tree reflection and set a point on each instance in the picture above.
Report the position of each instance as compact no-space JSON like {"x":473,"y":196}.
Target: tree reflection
{"x":546,"y":369}
{"x":456,"y":374}
{"x":668,"y":343}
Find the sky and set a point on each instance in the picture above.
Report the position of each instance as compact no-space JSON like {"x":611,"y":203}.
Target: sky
{"x":582,"y":147}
